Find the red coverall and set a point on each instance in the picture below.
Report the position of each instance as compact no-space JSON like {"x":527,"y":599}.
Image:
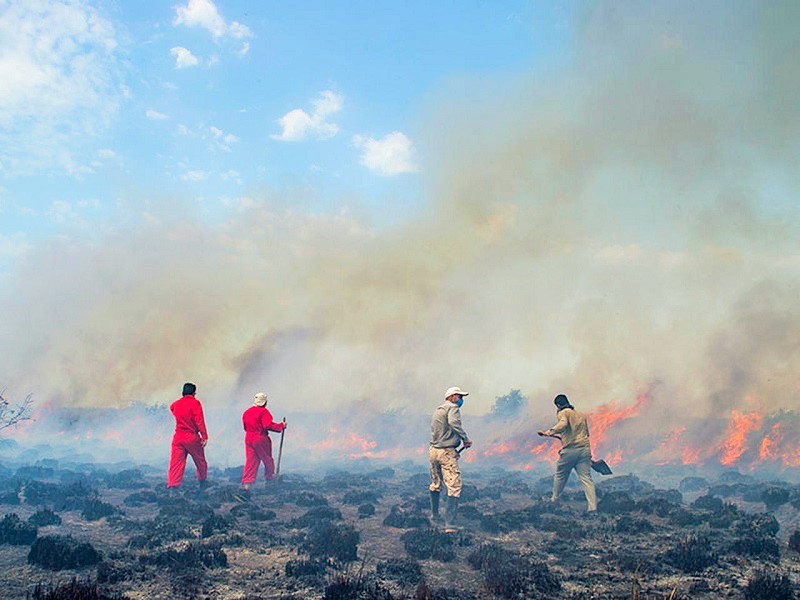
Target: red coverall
{"x":257,"y":422}
{"x":190,"y":432}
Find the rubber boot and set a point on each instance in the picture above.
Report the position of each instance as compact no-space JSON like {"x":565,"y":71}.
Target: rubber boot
{"x":435,"y":518}
{"x":451,"y":514}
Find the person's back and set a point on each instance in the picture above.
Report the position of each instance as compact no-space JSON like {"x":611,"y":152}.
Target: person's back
{"x":190,"y":437}
{"x":188,"y":416}
{"x":576,"y":434}
{"x":446,"y":430}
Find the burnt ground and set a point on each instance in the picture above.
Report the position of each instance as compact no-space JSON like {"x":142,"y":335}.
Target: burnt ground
{"x":365,"y":535}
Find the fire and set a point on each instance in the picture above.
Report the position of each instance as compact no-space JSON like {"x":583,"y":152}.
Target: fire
{"x":735,"y":444}
{"x":608,"y":414}
{"x":675,"y":445}
{"x":773,"y":447}
{"x":351,"y":444}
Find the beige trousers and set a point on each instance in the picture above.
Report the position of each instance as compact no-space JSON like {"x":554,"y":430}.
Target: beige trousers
{"x":444,"y":466}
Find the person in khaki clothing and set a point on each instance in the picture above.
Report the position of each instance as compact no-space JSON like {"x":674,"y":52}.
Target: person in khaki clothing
{"x":576,"y":453}
{"x":446,"y":435}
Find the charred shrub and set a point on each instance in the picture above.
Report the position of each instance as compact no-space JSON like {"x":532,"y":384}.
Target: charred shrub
{"x":253,"y":512}
{"x":630,"y":525}
{"x":404,"y":570}
{"x":140,"y":498}
{"x":216,"y":524}
{"x":337,"y":540}
{"x":761,"y":525}
{"x":348,"y":585}
{"x":95,"y":509}
{"x":429,"y":543}
{"x":693,"y":484}
{"x":61,"y":497}
{"x":313,"y":569}
{"x":425,"y":592}
{"x":510,"y":520}
{"x":15,"y":531}
{"x":315,"y":515}
{"x":511,"y":575}
{"x":794,"y":540}
{"x":129,"y":479}
{"x":194,"y":556}
{"x":306,"y":498}
{"x":366,"y":510}
{"x":355,"y":497}
{"x":756,"y":546}
{"x":615,"y":503}
{"x":57,"y":552}
{"x":159,"y":531}
{"x":769,"y":586}
{"x":110,"y":572}
{"x":691,"y":555}
{"x":74,"y":590}
{"x":44,"y":517}
{"x":680,"y":517}
{"x":708,"y":502}
{"x":775,"y":497}
{"x":34,"y":472}
{"x":405,"y":518}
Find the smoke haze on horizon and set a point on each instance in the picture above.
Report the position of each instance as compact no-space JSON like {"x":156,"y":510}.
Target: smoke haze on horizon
{"x":626,"y":224}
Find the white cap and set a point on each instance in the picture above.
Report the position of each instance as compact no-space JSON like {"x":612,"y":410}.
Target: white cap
{"x":454,"y":390}
{"x":260,"y":399}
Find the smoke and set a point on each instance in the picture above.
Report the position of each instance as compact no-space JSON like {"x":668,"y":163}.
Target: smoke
{"x":622,"y":225}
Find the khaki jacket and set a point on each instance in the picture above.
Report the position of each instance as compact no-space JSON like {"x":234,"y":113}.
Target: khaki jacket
{"x":572,"y":428}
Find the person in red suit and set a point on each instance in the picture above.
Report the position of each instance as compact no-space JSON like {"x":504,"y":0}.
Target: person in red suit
{"x":190,"y":437}
{"x":258,"y":422}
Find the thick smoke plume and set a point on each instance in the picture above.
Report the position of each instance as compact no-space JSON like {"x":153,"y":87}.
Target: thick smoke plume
{"x":624,"y":226}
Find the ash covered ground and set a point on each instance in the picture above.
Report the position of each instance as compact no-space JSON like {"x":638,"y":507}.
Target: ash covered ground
{"x":113,"y":531}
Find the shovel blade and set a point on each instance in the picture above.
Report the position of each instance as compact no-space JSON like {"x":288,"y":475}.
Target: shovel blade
{"x":601,"y":467}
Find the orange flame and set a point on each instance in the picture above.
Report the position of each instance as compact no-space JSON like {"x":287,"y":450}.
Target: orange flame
{"x":735,"y":444}
{"x":608,"y":414}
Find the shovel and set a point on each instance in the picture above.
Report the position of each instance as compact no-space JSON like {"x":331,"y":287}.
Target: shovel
{"x":280,"y":451}
{"x":601,"y":467}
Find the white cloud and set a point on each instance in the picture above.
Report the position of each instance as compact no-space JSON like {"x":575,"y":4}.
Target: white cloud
{"x":204,"y":13}
{"x":245,"y":48}
{"x":184,"y":130}
{"x":223,"y":140}
{"x":154,"y":115}
{"x":194,"y":176}
{"x":393,"y":154}
{"x":297,"y":124}
{"x":60,"y":79}
{"x":183,"y":57}
{"x":106,"y":154}
{"x":13,"y":246}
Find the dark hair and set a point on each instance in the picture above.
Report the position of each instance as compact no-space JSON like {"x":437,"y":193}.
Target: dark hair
{"x":561,"y":401}
{"x":189,"y":389}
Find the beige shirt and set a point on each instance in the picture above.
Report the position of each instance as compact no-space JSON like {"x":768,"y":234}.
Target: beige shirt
{"x":572,"y":428}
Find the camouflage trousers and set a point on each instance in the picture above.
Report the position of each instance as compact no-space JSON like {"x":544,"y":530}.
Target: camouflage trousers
{"x":444,"y":467}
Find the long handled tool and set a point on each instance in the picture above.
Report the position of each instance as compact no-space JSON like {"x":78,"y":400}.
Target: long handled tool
{"x":280,"y":450}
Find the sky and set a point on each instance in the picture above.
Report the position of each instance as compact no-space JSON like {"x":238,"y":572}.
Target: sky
{"x":362,"y":204}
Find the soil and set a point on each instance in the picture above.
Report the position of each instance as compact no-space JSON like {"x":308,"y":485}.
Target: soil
{"x":644,"y":542}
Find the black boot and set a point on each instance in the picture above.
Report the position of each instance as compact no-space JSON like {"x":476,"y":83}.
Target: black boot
{"x":451,"y":515}
{"x":435,"y":518}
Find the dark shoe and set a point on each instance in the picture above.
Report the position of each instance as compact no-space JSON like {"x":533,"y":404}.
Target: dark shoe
{"x":435,"y":518}
{"x":203,"y":484}
{"x":451,"y":515}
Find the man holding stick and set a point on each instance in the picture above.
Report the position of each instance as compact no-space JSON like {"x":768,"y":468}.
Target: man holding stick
{"x":446,"y":435}
{"x":257,"y":422}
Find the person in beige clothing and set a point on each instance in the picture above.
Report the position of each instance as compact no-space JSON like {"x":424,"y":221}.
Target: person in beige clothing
{"x":446,"y":435}
{"x":576,"y":453}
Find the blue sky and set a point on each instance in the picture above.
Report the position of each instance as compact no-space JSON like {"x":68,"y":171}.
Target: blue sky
{"x":186,"y":100}
{"x":332,"y":200}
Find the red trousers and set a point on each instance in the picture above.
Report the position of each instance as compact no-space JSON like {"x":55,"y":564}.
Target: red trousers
{"x":181,"y":447}
{"x":258,"y":451}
